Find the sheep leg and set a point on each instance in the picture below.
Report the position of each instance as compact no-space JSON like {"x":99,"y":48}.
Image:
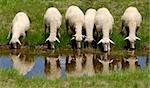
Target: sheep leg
{"x":58,"y":33}
{"x":46,"y":30}
{"x":137,"y":30}
{"x":24,"y":35}
{"x":10,"y":33}
{"x":127,"y":30}
{"x":122,"y":29}
{"x":67,"y":26}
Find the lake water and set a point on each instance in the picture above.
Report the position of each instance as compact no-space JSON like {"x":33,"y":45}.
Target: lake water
{"x":77,"y":63}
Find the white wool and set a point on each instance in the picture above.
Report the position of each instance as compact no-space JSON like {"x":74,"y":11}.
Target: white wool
{"x":104,"y":22}
{"x":75,"y":18}
{"x":132,"y":18}
{"x":20,"y":25}
{"x":53,"y":19}
{"x":89,"y":24}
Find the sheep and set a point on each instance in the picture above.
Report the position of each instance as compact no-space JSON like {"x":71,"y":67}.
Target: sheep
{"x":89,"y":25}
{"x":131,"y":21}
{"x":103,"y":22}
{"x":52,"y":21}
{"x":74,"y":19}
{"x":20,"y":25}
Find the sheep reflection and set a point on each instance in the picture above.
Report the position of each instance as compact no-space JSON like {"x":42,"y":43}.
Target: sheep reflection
{"x":81,"y":64}
{"x":22,"y":62}
{"x":131,"y":61}
{"x":105,"y":62}
{"x":52,"y":69}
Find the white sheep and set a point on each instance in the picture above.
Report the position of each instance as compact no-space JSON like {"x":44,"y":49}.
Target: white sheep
{"x":20,"y":25}
{"x":131,"y":21}
{"x":52,"y":20}
{"x":75,"y":20}
{"x":103,"y":22}
{"x":89,"y":24}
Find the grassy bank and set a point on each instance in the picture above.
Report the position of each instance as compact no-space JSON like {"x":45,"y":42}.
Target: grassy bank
{"x":36,"y":9}
{"x":119,"y":79}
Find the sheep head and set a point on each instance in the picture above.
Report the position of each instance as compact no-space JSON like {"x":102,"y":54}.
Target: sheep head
{"x":132,"y":40}
{"x":78,"y":39}
{"x":52,"y":39}
{"x":14,"y":43}
{"x":106,"y":43}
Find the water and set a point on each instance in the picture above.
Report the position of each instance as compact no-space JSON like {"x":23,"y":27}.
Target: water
{"x":52,"y":66}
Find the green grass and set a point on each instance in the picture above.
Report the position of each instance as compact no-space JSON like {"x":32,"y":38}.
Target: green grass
{"x":36,"y":9}
{"x":119,"y":79}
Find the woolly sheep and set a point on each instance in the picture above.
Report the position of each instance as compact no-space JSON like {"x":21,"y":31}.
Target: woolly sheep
{"x":20,"y":25}
{"x":103,"y":22}
{"x":89,"y":24}
{"x":52,"y":20}
{"x":75,"y":20}
{"x":131,"y":21}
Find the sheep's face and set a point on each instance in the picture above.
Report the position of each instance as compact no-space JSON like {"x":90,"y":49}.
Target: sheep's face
{"x":132,"y":42}
{"x":78,"y":44}
{"x":14,"y":45}
{"x":106,"y":44}
{"x":78,"y":38}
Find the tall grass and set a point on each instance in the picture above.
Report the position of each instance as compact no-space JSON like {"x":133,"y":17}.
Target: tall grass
{"x":36,"y":9}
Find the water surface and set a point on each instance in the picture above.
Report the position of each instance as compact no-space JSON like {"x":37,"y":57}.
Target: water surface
{"x":55,"y":66}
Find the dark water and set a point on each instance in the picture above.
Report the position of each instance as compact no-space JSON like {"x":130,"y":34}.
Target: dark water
{"x":52,"y":66}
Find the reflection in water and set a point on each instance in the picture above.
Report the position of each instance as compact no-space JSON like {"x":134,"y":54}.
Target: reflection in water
{"x":89,"y":67}
{"x":52,"y":68}
{"x":131,"y":61}
{"x":105,"y":62}
{"x":79,"y":63}
{"x":22,"y":62}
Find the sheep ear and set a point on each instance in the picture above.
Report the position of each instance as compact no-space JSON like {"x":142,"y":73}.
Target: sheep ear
{"x":111,"y":42}
{"x":100,"y":60}
{"x":126,"y":38}
{"x":136,"y":60}
{"x":138,"y":38}
{"x":57,"y":40}
{"x":111,"y":61}
{"x":100,"y":41}
{"x":73,"y":38}
{"x":18,"y":55}
{"x":47,"y":40}
{"x":18,"y":41}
